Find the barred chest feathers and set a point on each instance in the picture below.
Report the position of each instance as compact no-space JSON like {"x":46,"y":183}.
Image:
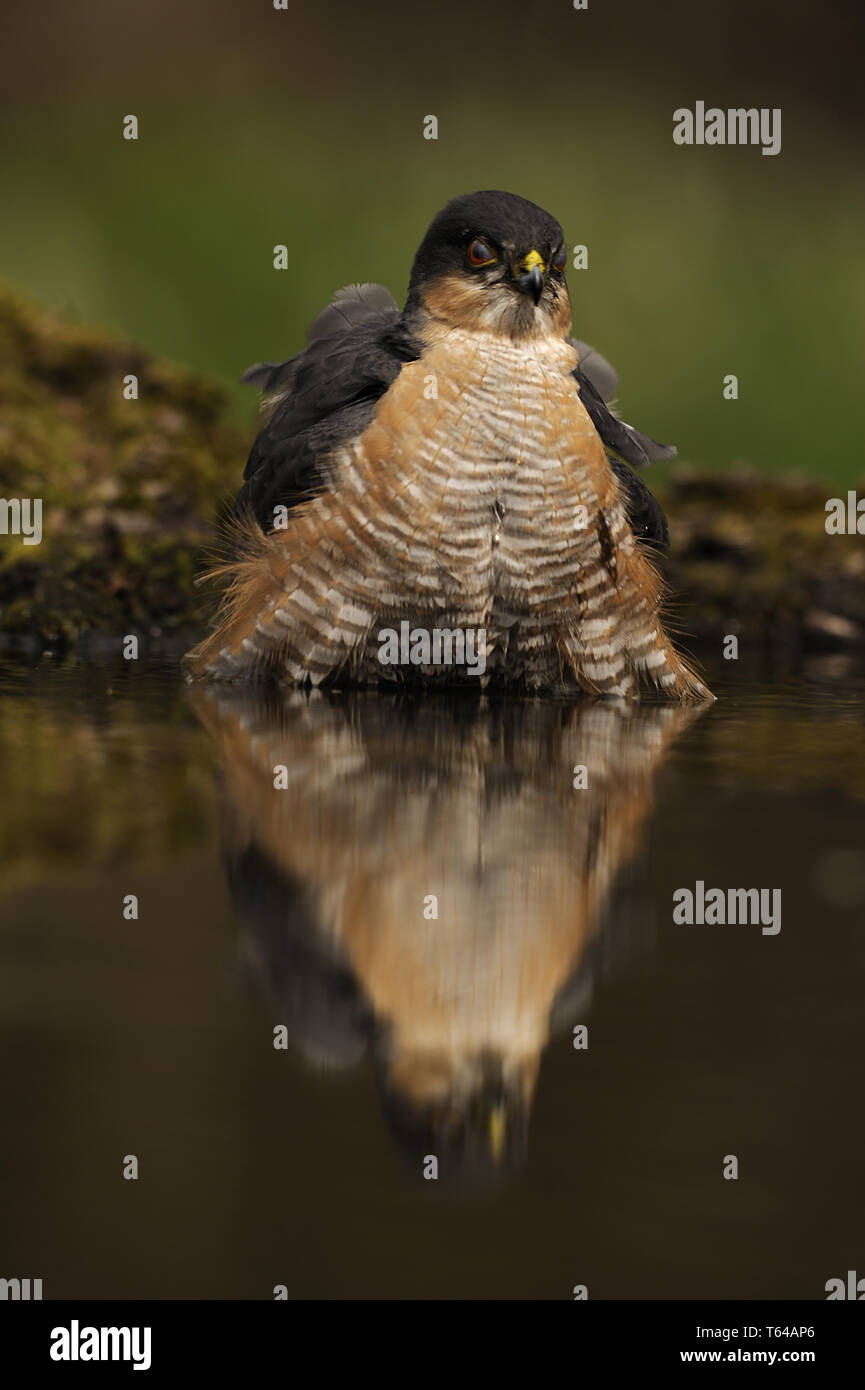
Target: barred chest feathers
{"x":479,"y":497}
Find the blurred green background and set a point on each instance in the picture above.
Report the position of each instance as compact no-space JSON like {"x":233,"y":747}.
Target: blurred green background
{"x":305,"y":127}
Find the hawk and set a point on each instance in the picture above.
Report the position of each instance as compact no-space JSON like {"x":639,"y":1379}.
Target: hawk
{"x":453,"y":465}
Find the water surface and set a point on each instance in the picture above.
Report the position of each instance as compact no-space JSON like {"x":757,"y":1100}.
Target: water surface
{"x":417,"y":901}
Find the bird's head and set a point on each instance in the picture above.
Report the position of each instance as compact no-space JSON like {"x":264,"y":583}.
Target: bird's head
{"x":469,"y":1108}
{"x":493,"y":262}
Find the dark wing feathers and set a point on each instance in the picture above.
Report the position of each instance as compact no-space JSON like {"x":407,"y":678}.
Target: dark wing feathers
{"x":327,"y":394}
{"x":260,"y":373}
{"x":619,"y":438}
{"x":645,"y":513}
{"x":352,"y":305}
{"x":600,"y":372}
{"x":323,"y":397}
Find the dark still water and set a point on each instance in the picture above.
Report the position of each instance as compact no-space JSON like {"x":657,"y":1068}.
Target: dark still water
{"x":416,"y":903}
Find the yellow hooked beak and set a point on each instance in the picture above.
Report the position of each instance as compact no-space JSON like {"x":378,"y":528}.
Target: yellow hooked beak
{"x":530,"y":275}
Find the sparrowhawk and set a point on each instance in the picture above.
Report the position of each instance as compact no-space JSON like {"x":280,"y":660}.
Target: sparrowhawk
{"x":453,"y":466}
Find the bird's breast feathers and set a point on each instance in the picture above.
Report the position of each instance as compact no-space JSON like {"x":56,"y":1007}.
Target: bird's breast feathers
{"x":482,"y":454}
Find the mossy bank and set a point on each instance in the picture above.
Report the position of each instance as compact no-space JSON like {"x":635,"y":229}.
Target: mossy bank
{"x":131,"y":490}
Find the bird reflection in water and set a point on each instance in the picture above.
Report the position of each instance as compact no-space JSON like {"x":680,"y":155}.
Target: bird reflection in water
{"x":429,"y":885}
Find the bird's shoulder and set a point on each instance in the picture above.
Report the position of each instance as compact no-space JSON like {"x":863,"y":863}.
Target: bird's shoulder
{"x":324,"y":396}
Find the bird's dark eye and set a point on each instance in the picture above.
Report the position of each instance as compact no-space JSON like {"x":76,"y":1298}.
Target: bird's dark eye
{"x":560,"y":259}
{"x":480,"y":254}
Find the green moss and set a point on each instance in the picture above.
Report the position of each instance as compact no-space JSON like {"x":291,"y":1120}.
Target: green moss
{"x":129,"y":487}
